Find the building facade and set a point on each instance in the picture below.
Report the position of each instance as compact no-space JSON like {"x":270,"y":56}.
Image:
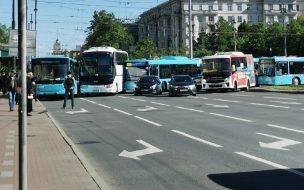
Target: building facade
{"x":168,"y":23}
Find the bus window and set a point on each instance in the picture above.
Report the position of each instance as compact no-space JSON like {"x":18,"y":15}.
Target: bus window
{"x":165,"y":71}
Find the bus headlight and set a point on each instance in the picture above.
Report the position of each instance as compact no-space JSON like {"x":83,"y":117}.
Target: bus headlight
{"x":226,"y":80}
{"x":109,"y":86}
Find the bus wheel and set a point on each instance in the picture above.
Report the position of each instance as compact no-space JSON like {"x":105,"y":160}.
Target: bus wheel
{"x":164,"y":87}
{"x":248,"y":86}
{"x":235,"y":88}
{"x":295,"y":81}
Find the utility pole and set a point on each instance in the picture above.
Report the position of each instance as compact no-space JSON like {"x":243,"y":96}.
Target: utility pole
{"x":35,"y":13}
{"x":190,"y":31}
{"x":283,"y":10}
{"x":23,"y":104}
{"x":234,"y":37}
{"x":13,"y":27}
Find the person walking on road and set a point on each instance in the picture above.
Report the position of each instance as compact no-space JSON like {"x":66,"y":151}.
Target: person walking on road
{"x":69,"y":84}
{"x":11,"y":88}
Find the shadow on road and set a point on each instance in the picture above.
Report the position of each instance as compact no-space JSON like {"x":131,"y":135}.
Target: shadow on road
{"x":270,"y":180}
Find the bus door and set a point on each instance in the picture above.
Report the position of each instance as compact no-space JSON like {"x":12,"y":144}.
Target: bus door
{"x":240,"y":66}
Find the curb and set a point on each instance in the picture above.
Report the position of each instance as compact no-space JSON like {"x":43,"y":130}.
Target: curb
{"x":98,"y":180}
{"x":258,"y":89}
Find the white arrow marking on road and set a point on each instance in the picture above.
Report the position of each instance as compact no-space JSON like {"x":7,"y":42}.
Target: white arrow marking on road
{"x":148,"y":108}
{"x":278,"y":144}
{"x":135,"y":154}
{"x":81,"y":111}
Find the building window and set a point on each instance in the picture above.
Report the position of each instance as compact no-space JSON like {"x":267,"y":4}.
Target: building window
{"x":230,"y":19}
{"x":280,"y":18}
{"x":229,"y":7}
{"x":259,"y":19}
{"x":290,"y":7}
{"x":220,"y":7}
{"x":192,"y":7}
{"x":200,"y":7}
{"x":270,"y":7}
{"x":164,"y":32}
{"x":239,"y":7}
{"x":220,"y":17}
{"x":200,"y":18}
{"x":239,"y":18}
{"x":271,"y":18}
{"x":211,"y":18}
{"x":298,"y":7}
{"x":290,"y":18}
{"x":210,"y":7}
{"x":249,"y":18}
{"x":249,"y":7}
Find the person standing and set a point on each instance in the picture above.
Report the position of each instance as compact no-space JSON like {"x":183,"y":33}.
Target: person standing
{"x":69,"y":84}
{"x":11,"y":88}
{"x":3,"y":83}
{"x":29,"y":92}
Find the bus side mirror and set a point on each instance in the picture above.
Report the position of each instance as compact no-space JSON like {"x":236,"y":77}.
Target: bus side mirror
{"x":198,"y":63}
{"x":233,"y":68}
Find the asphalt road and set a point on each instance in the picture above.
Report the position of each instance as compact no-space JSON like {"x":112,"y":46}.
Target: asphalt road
{"x":242,"y":140}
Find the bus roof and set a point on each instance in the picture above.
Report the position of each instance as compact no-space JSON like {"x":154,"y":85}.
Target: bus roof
{"x":103,"y":49}
{"x":54,"y":57}
{"x":283,"y":58}
{"x":223,"y":55}
{"x":165,"y":60}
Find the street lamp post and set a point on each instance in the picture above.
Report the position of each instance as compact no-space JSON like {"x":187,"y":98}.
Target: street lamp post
{"x":283,"y":10}
{"x":190,"y":31}
{"x":233,"y":22}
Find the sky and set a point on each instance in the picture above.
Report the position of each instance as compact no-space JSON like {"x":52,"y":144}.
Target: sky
{"x":69,"y":19}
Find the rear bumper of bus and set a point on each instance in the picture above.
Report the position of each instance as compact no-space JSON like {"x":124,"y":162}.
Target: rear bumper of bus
{"x":49,"y":89}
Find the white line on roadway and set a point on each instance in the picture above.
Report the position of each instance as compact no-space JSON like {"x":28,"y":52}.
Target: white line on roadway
{"x":241,"y":95}
{"x":198,"y":139}
{"x":92,"y":102}
{"x":271,"y":163}
{"x":225,"y":100}
{"x":199,"y":97}
{"x":230,"y":117}
{"x":159,"y":125}
{"x":289,"y":129}
{"x":189,"y":109}
{"x":122,"y":111}
{"x":269,"y":105}
{"x":280,"y":98}
{"x":122,"y":96}
{"x":160,"y":104}
{"x":286,"y":102}
{"x":104,"y":106}
{"x":138,"y":99}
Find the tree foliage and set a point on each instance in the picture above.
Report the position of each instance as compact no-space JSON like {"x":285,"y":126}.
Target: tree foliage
{"x":106,"y":30}
{"x":4,"y":34}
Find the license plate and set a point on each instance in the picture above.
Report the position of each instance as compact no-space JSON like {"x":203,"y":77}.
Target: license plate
{"x":184,"y":90}
{"x":144,"y":90}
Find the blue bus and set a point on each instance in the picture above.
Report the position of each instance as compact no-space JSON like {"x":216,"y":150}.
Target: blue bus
{"x":101,"y":70}
{"x":281,"y":70}
{"x":50,"y":73}
{"x":164,"y":68}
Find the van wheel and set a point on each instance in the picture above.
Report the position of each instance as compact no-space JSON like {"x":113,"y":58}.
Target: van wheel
{"x":235,"y":88}
{"x":295,"y":81}
{"x":164,"y":87}
{"x":248,"y":86}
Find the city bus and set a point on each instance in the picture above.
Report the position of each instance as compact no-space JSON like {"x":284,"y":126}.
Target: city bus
{"x":281,"y":70}
{"x":228,"y":71}
{"x":50,"y":73}
{"x":163,"y":68}
{"x":101,"y":70}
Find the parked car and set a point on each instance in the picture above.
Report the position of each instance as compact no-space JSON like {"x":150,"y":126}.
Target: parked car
{"x":182,"y":84}
{"x":146,"y":85}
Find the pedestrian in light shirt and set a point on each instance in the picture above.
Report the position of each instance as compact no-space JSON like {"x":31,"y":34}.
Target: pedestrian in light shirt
{"x":11,"y":88}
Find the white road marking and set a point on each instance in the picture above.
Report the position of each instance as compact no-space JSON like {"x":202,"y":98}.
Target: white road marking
{"x":10,"y":146}
{"x":160,"y":104}
{"x":8,"y":163}
{"x":122,"y":111}
{"x":241,"y":95}
{"x":189,"y":109}
{"x":104,"y":106}
{"x":280,"y":98}
{"x":82,"y":99}
{"x":80,"y":111}
{"x":230,"y":117}
{"x":146,"y":120}
{"x":278,"y":144}
{"x":268,"y":105}
{"x":9,"y":154}
{"x":148,"y":108}
{"x":138,"y":99}
{"x":135,"y":154}
{"x":10,"y":140}
{"x":6,"y":174}
{"x":225,"y":100}
{"x":11,"y":132}
{"x":123,"y":97}
{"x":295,"y":103}
{"x":10,"y":136}
{"x":198,"y":139}
{"x":199,"y":97}
{"x":270,"y":163}
{"x":289,"y":129}
{"x":92,"y":102}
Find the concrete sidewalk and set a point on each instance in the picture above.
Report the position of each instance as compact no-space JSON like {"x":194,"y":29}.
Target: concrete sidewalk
{"x":52,"y":163}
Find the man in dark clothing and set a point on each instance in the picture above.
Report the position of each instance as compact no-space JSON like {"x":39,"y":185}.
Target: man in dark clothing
{"x":69,"y":84}
{"x":29,"y":88}
{"x":3,"y":83}
{"x":11,"y":88}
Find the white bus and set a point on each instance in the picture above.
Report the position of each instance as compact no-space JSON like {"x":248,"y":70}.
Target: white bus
{"x":101,"y":70}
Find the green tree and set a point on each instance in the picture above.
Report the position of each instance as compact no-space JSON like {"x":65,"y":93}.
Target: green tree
{"x":243,"y":37}
{"x":257,"y":39}
{"x":295,"y":37}
{"x":274,"y":40}
{"x":106,"y":30}
{"x":4,"y":34}
{"x":145,"y":49}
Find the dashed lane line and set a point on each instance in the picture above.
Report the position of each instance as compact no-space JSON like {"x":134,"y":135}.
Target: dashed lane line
{"x":270,"y":163}
{"x":285,"y":128}
{"x":160,"y":104}
{"x":197,"y":139}
{"x":268,"y":105}
{"x":104,"y":106}
{"x":189,"y":109}
{"x":138,"y":99}
{"x":122,"y":112}
{"x":236,"y":118}
{"x":146,"y":120}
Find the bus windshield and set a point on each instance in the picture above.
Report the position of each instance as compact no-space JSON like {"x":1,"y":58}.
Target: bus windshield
{"x":136,"y":72}
{"x":50,"y":68}
{"x":266,"y":67}
{"x":216,"y":65}
{"x":97,"y":64}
